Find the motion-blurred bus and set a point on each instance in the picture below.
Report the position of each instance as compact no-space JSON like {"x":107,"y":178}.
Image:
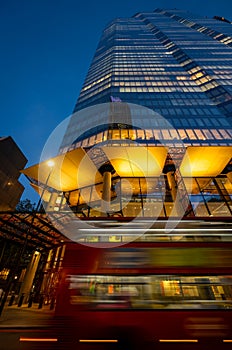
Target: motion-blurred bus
{"x":146,"y":295}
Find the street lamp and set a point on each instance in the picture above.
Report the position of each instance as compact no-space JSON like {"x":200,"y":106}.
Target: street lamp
{"x":50,"y":163}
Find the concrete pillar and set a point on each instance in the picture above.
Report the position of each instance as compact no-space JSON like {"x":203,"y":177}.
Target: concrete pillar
{"x":106,"y":192}
{"x":47,"y":270}
{"x":52,"y":201}
{"x":29,"y":275}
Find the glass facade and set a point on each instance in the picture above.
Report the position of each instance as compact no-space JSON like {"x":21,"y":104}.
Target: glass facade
{"x":140,"y":197}
{"x":170,"y":61}
{"x":177,"y":67}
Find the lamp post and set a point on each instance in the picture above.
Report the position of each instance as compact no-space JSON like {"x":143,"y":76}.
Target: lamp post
{"x":50,"y":164}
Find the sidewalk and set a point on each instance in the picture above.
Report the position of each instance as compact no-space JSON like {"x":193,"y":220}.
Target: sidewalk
{"x":14,"y":316}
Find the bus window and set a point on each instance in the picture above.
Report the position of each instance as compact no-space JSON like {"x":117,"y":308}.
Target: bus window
{"x":151,"y":291}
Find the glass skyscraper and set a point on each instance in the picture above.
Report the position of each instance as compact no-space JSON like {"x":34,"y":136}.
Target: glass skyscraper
{"x":173,"y":62}
{"x":161,"y":80}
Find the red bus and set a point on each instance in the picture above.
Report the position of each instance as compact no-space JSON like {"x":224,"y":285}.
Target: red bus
{"x":146,"y":295}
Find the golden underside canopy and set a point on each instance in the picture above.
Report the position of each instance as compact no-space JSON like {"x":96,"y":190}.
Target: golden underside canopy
{"x":205,"y":160}
{"x":137,"y":161}
{"x":71,"y":170}
{"x":75,"y":169}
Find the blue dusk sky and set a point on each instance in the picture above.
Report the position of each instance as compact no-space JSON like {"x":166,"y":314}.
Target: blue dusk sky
{"x":46,"y":49}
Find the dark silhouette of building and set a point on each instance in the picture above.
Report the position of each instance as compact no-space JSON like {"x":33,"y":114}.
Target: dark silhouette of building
{"x":12,"y":160}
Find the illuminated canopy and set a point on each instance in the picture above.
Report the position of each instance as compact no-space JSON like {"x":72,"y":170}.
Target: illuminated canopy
{"x":205,"y":160}
{"x":137,"y":161}
{"x":71,"y":170}
{"x":75,"y":169}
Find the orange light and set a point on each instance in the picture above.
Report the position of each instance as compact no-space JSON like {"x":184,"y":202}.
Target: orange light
{"x":227,"y":340}
{"x":38,"y":339}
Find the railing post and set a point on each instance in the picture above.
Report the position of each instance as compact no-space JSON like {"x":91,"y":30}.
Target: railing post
{"x":21,"y":299}
{"x":41,"y":300}
{"x":11,"y":301}
{"x":30,"y":300}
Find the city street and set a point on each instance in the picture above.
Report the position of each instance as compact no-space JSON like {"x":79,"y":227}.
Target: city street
{"x":34,"y":329}
{"x":13,"y":316}
{"x":19,"y":325}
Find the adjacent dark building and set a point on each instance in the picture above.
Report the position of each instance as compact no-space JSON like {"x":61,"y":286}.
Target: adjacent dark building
{"x":12,"y":160}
